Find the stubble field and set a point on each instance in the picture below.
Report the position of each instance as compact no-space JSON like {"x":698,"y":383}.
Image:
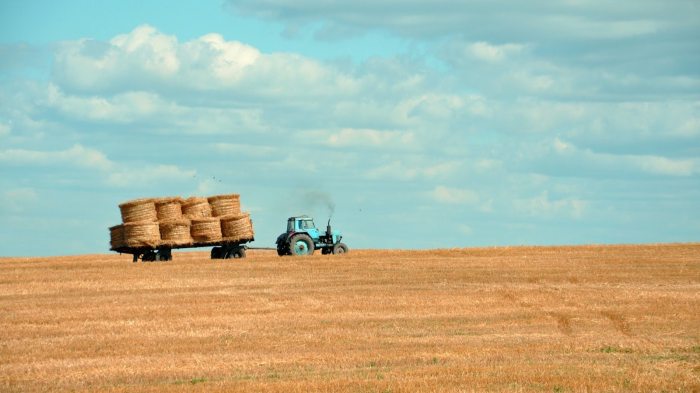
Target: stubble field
{"x":554,"y":319}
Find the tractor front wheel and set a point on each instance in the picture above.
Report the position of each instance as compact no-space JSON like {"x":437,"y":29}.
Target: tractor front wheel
{"x":340,"y":248}
{"x":301,"y":244}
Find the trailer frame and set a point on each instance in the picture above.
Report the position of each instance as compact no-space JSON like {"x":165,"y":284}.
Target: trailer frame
{"x":222,"y":249}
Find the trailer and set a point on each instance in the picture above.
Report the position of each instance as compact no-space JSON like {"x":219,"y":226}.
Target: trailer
{"x":220,"y":250}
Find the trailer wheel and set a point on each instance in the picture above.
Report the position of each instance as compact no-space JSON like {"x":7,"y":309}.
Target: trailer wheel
{"x":301,"y":244}
{"x":164,"y":255}
{"x":216,"y":253}
{"x":239,"y":253}
{"x":340,"y":248}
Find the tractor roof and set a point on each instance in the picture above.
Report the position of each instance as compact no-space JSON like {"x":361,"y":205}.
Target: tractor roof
{"x":302,"y":217}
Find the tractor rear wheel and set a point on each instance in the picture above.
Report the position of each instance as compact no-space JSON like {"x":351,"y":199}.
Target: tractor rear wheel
{"x":301,"y":244}
{"x":340,"y":248}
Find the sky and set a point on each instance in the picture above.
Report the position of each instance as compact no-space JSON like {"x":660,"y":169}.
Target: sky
{"x":451,"y":123}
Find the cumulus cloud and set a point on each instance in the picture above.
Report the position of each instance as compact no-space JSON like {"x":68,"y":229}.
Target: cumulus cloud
{"x":17,"y":200}
{"x":118,"y":174}
{"x":4,"y":129}
{"x":353,"y":137}
{"x":568,"y":27}
{"x":565,"y":158}
{"x":494,"y":53}
{"x":77,"y":155}
{"x":413,"y":170}
{"x":147,"y":59}
{"x":544,"y":206}
{"x":455,"y":196}
{"x":149,"y":174}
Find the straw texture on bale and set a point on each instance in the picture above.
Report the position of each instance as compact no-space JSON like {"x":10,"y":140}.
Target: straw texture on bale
{"x":138,"y":210}
{"x":169,"y":209}
{"x":116,"y":236}
{"x":225,"y":205}
{"x":237,"y":227}
{"x":196,"y":207}
{"x":141,"y":234}
{"x":206,"y":229}
{"x":175,"y":232}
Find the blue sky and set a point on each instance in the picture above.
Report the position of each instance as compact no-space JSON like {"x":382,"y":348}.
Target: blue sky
{"x":426,"y":124}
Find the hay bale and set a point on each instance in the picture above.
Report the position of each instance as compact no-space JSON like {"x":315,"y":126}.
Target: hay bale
{"x":175,"y":232}
{"x":138,"y":210}
{"x":237,"y":227}
{"x":169,"y":209}
{"x":196,"y":207}
{"x":225,"y":205}
{"x":141,"y":234}
{"x":205,"y":229}
{"x":116,"y":236}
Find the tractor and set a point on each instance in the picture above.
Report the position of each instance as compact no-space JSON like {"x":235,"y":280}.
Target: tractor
{"x":303,"y":238}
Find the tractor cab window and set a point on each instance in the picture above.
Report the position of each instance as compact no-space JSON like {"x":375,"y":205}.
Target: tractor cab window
{"x":306,"y":224}
{"x":290,"y":226}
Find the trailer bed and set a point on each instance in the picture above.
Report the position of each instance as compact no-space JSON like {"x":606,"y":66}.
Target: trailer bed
{"x":223,"y":249}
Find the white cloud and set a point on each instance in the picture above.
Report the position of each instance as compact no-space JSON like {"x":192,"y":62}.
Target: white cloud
{"x":664,"y":166}
{"x":149,"y":174}
{"x":644,"y":163}
{"x":543,"y":206}
{"x":146,"y":59}
{"x":354,"y":137}
{"x":17,"y":200}
{"x":5,"y":129}
{"x":407,"y":170}
{"x":246,"y":150}
{"x":494,"y":53}
{"x":121,"y":108}
{"x":455,"y":196}
{"x":76,"y":155}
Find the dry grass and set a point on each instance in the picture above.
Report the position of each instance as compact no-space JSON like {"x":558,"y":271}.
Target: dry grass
{"x":553,"y":319}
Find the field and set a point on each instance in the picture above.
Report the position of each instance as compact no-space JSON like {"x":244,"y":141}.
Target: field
{"x":551,"y":319}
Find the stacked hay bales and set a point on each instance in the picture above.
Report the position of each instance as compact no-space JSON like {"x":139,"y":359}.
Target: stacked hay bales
{"x":169,"y":209}
{"x":141,"y":234}
{"x":177,"y":222}
{"x":225,"y":205}
{"x":139,"y":210}
{"x":196,"y":207}
{"x":206,"y":229}
{"x":116,"y":236}
{"x":175,"y":232}
{"x":237,"y":227}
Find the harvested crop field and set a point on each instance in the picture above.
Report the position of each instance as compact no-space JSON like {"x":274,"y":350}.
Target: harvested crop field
{"x":552,"y":319}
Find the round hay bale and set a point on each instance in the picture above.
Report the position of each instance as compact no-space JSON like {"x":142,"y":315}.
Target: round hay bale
{"x":205,"y":229}
{"x":196,"y":207}
{"x":237,"y":227}
{"x":141,"y":234}
{"x":116,"y":236}
{"x":138,"y":210}
{"x":169,"y":209}
{"x":225,"y":205}
{"x":175,"y":232}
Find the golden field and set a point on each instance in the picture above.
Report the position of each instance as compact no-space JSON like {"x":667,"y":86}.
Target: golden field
{"x":551,"y":319}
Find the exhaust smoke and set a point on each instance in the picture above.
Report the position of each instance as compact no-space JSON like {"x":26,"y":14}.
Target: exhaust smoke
{"x":316,"y":199}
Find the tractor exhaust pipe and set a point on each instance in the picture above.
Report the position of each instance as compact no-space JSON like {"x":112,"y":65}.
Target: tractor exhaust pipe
{"x":328,"y":229}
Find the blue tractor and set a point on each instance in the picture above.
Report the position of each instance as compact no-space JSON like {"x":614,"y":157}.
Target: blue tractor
{"x":302,"y":238}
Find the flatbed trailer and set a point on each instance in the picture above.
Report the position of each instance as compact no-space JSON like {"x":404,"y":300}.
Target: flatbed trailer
{"x":220,"y":250}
